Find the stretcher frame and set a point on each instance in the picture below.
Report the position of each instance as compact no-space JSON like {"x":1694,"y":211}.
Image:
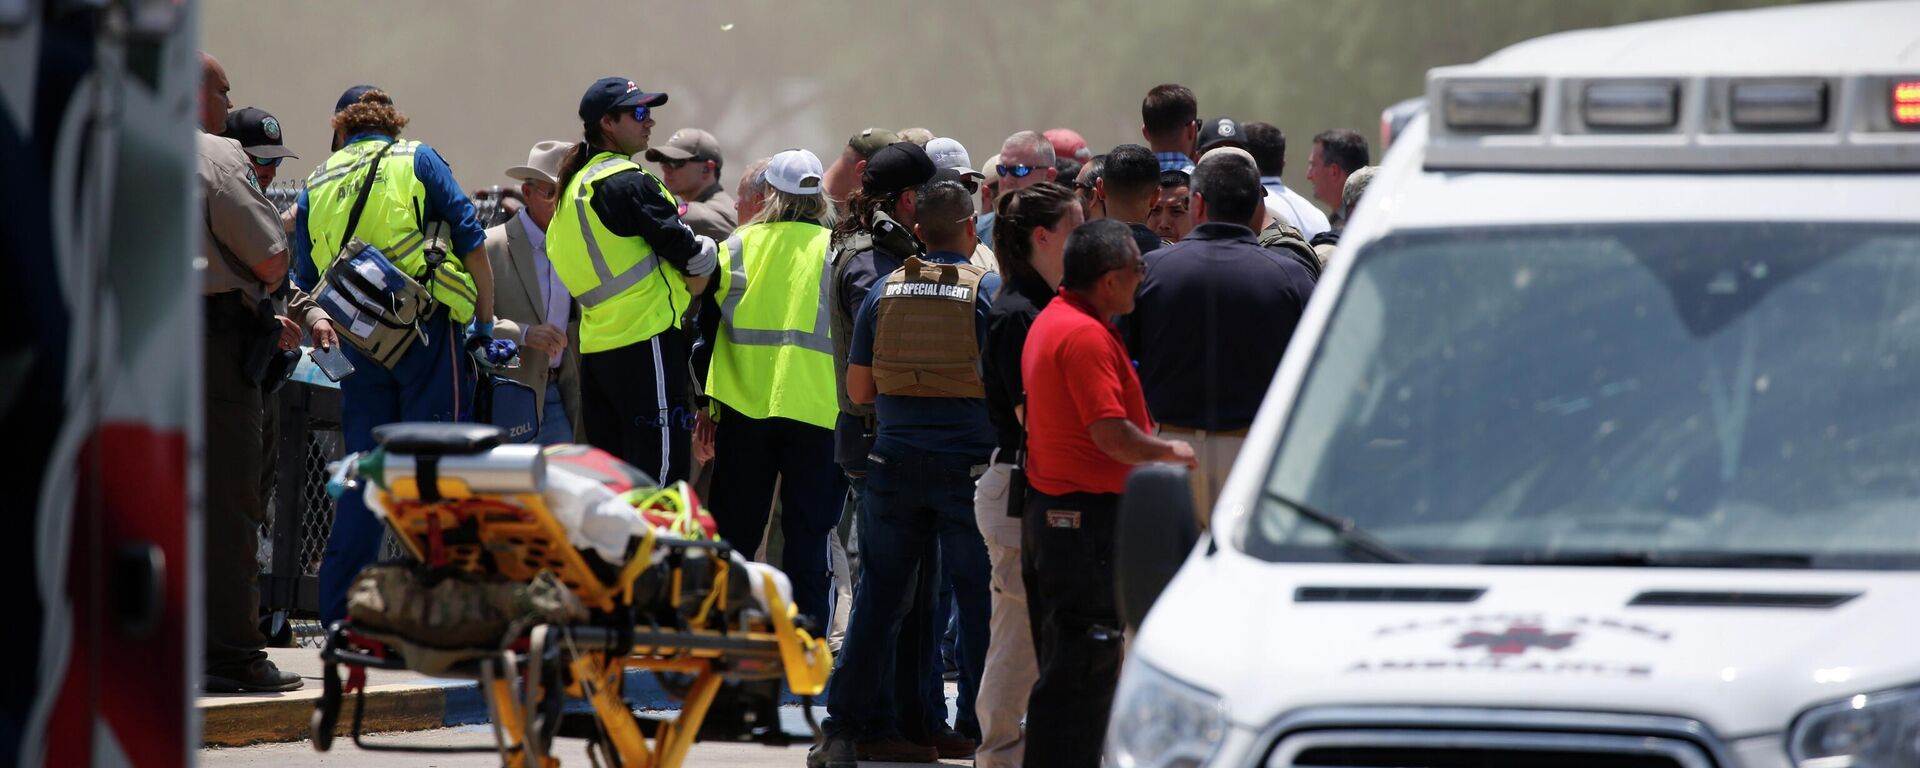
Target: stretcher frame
{"x":517,"y":537}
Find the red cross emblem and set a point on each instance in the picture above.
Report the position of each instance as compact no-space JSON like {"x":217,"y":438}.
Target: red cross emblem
{"x":1518,"y":639}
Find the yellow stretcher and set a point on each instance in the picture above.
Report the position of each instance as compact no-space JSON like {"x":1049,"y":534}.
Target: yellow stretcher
{"x":674,"y":608}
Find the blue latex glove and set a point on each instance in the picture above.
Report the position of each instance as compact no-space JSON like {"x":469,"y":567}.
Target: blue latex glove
{"x":489,"y":353}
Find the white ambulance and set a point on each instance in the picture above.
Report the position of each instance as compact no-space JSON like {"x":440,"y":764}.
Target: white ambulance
{"x":1599,"y":444}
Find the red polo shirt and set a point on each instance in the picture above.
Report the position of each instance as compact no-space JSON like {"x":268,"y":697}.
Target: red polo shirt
{"x":1077,"y":372}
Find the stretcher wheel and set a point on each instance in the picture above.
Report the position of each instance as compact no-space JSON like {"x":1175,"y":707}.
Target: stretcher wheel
{"x":326,"y":709}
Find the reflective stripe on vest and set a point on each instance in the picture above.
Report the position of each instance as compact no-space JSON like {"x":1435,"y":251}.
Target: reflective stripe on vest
{"x":389,"y":222}
{"x":773,"y":357}
{"x":611,"y":285}
{"x":625,"y":296}
{"x":818,"y":340}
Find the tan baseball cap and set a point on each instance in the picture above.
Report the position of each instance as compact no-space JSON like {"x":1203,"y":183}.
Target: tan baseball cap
{"x":543,"y":163}
{"x":871,"y":140}
{"x":685,"y":144}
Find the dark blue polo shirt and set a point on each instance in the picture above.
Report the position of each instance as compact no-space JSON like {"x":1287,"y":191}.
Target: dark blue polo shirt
{"x":1213,"y":315}
{"x":938,"y":424}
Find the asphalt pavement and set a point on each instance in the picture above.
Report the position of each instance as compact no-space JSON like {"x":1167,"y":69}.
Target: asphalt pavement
{"x":572,"y":752}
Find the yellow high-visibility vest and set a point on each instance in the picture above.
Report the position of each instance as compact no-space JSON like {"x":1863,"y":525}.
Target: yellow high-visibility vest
{"x":622,"y":302}
{"x":774,"y":354}
{"x":390,"y":222}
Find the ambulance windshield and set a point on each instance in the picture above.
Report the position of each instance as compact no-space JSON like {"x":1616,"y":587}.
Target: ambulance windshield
{"x":1683,"y":395}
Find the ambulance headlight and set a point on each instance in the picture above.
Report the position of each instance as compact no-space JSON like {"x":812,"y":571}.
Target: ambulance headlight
{"x":1160,"y":722}
{"x":1870,"y":730}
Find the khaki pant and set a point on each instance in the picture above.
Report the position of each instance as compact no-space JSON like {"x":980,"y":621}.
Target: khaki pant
{"x":1216,"y":452}
{"x":1011,"y":663}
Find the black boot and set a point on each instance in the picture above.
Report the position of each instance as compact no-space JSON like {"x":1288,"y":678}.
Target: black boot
{"x":260,"y":677}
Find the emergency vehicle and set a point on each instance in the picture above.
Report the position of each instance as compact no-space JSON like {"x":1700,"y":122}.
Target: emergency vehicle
{"x":1599,"y":442}
{"x":99,"y":382}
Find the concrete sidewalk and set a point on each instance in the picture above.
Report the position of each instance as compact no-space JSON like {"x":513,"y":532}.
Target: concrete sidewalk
{"x":396,"y":701}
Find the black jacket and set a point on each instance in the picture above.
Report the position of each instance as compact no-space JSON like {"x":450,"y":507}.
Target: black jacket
{"x":633,"y":204}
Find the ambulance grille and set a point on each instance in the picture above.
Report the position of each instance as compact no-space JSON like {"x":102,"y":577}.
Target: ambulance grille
{"x":1448,"y":737}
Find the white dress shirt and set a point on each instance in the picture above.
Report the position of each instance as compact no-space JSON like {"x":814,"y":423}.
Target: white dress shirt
{"x":1292,"y":208}
{"x":552,"y":290}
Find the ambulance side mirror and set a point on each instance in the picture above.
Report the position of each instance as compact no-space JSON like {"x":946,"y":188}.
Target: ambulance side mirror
{"x":1152,"y":537}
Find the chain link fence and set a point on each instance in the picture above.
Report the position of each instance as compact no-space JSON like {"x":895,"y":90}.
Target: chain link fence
{"x":491,"y":205}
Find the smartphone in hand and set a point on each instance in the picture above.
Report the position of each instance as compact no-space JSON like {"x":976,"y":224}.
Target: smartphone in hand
{"x":332,"y":362}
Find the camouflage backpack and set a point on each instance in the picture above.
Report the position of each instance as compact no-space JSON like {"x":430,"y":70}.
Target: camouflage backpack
{"x":438,"y":624}
{"x":1280,"y":237}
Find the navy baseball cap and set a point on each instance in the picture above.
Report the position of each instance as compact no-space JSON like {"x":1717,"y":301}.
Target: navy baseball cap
{"x":897,"y":166}
{"x":610,"y":94}
{"x":351,"y":96}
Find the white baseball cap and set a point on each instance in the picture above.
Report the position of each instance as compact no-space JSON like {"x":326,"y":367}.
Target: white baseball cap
{"x":795,"y":172}
{"x":948,"y":153}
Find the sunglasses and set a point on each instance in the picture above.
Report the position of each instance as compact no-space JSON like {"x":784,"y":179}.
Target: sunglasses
{"x":268,"y":162}
{"x":1017,"y":171}
{"x":678,"y":164}
{"x":641,"y":113}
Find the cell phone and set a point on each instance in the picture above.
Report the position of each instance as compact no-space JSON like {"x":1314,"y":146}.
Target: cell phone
{"x":332,"y":362}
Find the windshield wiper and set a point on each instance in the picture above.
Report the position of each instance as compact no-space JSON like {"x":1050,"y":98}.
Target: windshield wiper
{"x":1647,"y":558}
{"x":1346,"y":531}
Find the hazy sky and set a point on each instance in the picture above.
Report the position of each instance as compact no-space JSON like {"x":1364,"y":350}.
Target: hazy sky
{"x":483,"y":80}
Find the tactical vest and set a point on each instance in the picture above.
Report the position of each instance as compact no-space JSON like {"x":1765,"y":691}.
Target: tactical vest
{"x":391,"y":221}
{"x":923,"y":340}
{"x":892,"y":238}
{"x":622,"y":302}
{"x":1284,"y":239}
{"x":774,"y":354}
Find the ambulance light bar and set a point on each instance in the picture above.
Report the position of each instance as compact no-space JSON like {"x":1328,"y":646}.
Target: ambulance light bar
{"x":1492,"y":106}
{"x":1906,"y":103}
{"x":1779,"y":106}
{"x":1632,"y":105}
{"x":1519,"y":121}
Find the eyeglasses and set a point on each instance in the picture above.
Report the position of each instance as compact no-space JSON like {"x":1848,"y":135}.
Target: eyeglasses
{"x":675,"y":164}
{"x":268,"y":162}
{"x":1017,"y":171}
{"x":641,"y":113}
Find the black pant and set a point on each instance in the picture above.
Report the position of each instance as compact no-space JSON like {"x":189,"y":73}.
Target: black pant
{"x":234,"y":504}
{"x":1066,"y":561}
{"x":750,"y":454}
{"x":637,"y":402}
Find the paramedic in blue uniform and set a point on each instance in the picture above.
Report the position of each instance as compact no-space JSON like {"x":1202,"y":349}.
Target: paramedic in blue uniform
{"x":434,"y":380}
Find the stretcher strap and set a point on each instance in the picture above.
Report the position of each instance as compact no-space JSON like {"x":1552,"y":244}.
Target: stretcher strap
{"x":677,"y":499}
{"x":642,"y":558}
{"x":716,"y":594}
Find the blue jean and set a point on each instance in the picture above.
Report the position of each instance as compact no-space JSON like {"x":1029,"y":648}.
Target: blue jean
{"x":432,"y":382}
{"x":554,"y":426}
{"x":917,"y":515}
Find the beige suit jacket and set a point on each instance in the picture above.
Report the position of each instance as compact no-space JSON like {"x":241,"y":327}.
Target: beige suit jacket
{"x":518,"y":304}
